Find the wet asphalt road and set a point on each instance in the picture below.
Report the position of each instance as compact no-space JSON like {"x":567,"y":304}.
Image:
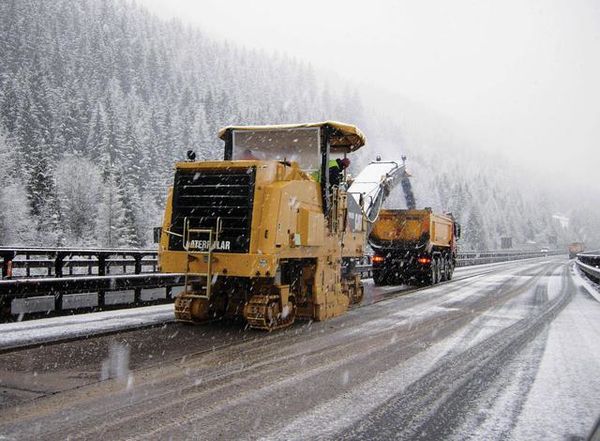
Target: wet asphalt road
{"x":454,"y":361}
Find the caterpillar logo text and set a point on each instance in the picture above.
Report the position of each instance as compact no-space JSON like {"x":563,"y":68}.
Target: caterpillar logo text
{"x":223,"y":245}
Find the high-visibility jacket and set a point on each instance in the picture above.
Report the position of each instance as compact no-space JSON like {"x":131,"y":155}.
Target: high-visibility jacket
{"x":335,"y":172}
{"x":334,"y":168}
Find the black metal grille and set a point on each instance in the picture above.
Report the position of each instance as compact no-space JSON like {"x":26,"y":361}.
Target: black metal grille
{"x":203,"y":196}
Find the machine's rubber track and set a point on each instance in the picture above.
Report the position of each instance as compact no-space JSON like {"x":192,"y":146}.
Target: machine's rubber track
{"x":357,"y":295}
{"x":265,"y":312}
{"x":183,"y":310}
{"x":186,"y":311}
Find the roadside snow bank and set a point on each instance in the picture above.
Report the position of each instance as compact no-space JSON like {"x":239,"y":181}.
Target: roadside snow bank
{"x":13,"y":335}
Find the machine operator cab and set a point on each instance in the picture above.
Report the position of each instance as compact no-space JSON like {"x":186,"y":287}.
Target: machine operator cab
{"x":312,"y":146}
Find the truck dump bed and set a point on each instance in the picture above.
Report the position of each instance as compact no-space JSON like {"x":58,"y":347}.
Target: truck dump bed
{"x":576,"y":248}
{"x":408,"y":229}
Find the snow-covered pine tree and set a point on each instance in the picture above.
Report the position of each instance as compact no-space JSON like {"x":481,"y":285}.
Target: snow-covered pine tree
{"x":79,"y":188}
{"x":112,"y":230}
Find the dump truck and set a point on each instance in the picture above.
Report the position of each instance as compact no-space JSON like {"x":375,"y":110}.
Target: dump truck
{"x":575,"y":248}
{"x":413,"y":246}
{"x":262,"y":234}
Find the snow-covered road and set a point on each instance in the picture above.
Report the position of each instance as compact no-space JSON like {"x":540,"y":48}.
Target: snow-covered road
{"x":507,"y":353}
{"x":54,"y":329}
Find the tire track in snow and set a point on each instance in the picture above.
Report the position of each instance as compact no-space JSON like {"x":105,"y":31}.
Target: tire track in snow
{"x":431,"y":408}
{"x":495,"y":415}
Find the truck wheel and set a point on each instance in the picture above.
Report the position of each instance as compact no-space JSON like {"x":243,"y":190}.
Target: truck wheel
{"x":449,"y":269}
{"x":396,"y":279}
{"x":378,"y":278}
{"x":442,"y":273}
{"x":432,"y":277}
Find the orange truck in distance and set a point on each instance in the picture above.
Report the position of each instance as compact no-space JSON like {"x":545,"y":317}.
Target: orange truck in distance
{"x":413,"y":246}
{"x":575,"y":248}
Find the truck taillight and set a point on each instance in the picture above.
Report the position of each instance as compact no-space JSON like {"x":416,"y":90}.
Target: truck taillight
{"x":424,"y":260}
{"x":378,"y":259}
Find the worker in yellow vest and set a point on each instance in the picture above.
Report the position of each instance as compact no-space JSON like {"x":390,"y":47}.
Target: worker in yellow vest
{"x":336,"y":170}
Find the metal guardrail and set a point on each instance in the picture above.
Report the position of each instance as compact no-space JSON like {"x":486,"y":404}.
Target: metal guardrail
{"x":20,"y":262}
{"x":589,"y":263}
{"x":63,"y":292}
{"x":47,"y":278}
{"x":469,"y":258}
{"x":41,"y":272}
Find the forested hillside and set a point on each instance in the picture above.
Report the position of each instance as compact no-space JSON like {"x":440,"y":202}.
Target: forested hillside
{"x":98,"y":99}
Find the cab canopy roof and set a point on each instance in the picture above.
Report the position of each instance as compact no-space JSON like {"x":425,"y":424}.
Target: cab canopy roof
{"x":342,"y":137}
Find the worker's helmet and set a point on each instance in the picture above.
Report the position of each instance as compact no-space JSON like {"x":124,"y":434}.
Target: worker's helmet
{"x":345,"y":163}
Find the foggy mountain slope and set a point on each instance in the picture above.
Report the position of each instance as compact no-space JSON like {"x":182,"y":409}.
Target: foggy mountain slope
{"x":492,"y":194}
{"x":99,"y":98}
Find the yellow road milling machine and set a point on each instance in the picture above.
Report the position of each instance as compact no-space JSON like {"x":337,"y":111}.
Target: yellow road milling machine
{"x":264,"y":234}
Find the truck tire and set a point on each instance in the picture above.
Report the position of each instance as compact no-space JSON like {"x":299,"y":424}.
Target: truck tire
{"x":399,"y":280}
{"x":449,"y":269}
{"x":379,"y":278}
{"x":442,"y":272}
{"x":432,"y":276}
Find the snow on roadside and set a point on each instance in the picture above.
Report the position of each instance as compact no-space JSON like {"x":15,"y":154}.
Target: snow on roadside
{"x":551,"y":389}
{"x":564,"y":400}
{"x":47,"y":330}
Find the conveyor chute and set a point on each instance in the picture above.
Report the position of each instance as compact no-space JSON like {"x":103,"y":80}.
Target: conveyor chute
{"x":373,"y":185}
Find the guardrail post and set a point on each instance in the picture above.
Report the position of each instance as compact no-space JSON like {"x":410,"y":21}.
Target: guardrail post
{"x":7,"y":267}
{"x":138,"y":264}
{"x":58,"y":265}
{"x":58,"y":301}
{"x":137,"y":292}
{"x":101,"y":272}
{"x":101,"y":265}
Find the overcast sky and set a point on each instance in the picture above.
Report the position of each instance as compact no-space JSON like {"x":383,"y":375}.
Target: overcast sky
{"x":519,"y":76}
